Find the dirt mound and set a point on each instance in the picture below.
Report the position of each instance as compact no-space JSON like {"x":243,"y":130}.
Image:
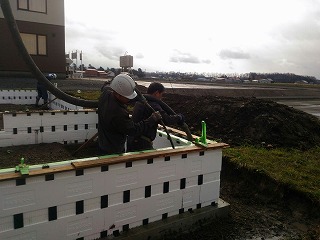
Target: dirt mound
{"x":239,"y":121}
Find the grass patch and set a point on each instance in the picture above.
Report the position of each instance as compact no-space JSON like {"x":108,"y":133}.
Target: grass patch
{"x":92,"y":95}
{"x":87,"y":95}
{"x":300,"y":170}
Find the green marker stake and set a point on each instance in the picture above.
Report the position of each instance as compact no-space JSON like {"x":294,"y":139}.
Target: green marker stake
{"x":22,"y":168}
{"x":203,"y":138}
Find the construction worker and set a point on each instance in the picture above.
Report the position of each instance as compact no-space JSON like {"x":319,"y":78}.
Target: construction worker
{"x":42,"y":90}
{"x":114,"y":122}
{"x":140,"y":112}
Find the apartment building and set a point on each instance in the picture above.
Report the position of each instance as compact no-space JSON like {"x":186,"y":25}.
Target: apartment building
{"x":42,"y":27}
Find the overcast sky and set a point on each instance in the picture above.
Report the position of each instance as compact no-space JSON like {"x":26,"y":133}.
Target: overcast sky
{"x":203,"y":36}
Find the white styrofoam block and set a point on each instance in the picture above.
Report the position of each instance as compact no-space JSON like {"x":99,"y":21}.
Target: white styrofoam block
{"x":6,"y":223}
{"x":119,"y":183}
{"x":174,"y":185}
{"x":125,"y":214}
{"x":7,"y":184}
{"x":59,"y":104}
{"x":155,"y":218}
{"x":66,"y":210}
{"x":211,"y":177}
{"x":64,"y":175}
{"x":164,"y":203}
{"x":209,"y":192}
{"x":173,"y":213}
{"x":92,"y":236}
{"x":36,"y":137}
{"x":22,"y":234}
{"x":115,"y":199}
{"x":192,"y":181}
{"x":18,"y":97}
{"x":140,"y":163}
{"x":92,"y":204}
{"x":94,"y":170}
{"x":214,"y":160}
{"x":116,"y":167}
{"x":190,"y":197}
{"x":61,"y":191}
{"x":157,"y":189}
{"x":35,"y":217}
{"x":135,"y":224}
{"x":137,"y":194}
{"x":74,"y":227}
{"x":35,"y":120}
{"x":20,"y":120}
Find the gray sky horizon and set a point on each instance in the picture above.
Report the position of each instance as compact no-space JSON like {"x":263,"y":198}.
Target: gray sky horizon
{"x":204,"y":36}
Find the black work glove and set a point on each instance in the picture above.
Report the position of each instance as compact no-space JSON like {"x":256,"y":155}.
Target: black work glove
{"x":155,"y":118}
{"x":181,"y":119}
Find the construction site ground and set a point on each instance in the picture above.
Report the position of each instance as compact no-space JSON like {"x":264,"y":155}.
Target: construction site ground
{"x":233,"y":117}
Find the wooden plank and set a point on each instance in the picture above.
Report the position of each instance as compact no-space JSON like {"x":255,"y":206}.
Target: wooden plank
{"x":108,"y":160}
{"x":179,"y":132}
{"x":36,"y":172}
{"x":145,"y":155}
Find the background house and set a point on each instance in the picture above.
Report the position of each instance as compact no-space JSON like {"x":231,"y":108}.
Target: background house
{"x":42,"y":28}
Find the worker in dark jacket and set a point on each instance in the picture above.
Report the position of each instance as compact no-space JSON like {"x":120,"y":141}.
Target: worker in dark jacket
{"x":42,"y":90}
{"x":141,"y":112}
{"x":114,"y":122}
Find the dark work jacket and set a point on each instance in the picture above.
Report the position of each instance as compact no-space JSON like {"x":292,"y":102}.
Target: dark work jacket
{"x":114,"y":124}
{"x":141,"y":112}
{"x":42,"y":91}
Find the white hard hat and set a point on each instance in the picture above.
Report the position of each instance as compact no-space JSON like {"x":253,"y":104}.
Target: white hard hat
{"x":124,"y":85}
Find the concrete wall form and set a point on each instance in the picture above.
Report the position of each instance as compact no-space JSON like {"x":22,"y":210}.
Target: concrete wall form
{"x":64,"y":127}
{"x":99,"y":196}
{"x":96,"y":202}
{"x":28,"y":97}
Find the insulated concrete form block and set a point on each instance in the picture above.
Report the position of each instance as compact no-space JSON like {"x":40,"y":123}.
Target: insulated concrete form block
{"x":52,"y":118}
{"x":93,"y":204}
{"x":77,"y":226}
{"x":47,"y":136}
{"x":47,"y":127}
{"x":107,"y":199}
{"x":62,"y":191}
{"x":210,"y":192}
{"x":190,"y":197}
{"x":73,"y":227}
{"x":19,"y":97}
{"x":162,"y":141}
{"x":59,"y":104}
{"x":192,"y":181}
{"x":21,"y":120}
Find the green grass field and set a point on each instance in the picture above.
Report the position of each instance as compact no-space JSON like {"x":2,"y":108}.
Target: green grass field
{"x":299,"y":170}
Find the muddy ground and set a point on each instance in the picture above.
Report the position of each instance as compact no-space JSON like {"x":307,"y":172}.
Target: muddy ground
{"x":260,"y":208}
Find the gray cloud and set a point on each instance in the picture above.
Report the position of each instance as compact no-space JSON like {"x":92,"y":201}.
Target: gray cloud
{"x":206,"y":61}
{"x":183,"y":57}
{"x":296,"y":48}
{"x":109,"y":52}
{"x":139,"y":56}
{"x":233,"y":54}
{"x":306,"y":30}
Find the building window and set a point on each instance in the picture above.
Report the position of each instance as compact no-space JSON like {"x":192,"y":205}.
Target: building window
{"x":33,"y":5}
{"x":35,"y":44}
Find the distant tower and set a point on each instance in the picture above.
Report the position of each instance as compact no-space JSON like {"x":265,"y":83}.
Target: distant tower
{"x":126,"y":62}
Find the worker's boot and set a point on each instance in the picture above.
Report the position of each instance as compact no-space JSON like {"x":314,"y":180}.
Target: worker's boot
{"x":45,"y":105}
{"x":37,"y":101}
